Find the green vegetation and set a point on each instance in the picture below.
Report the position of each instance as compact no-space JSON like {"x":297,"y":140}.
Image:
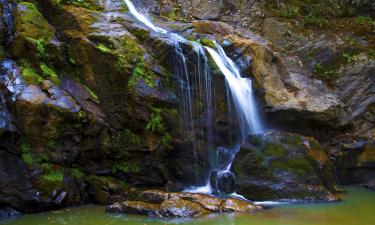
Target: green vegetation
{"x":41,"y":48}
{"x":208,"y":42}
{"x":49,"y":73}
{"x":142,"y":72}
{"x":88,"y":4}
{"x":155,"y":123}
{"x":363,"y":20}
{"x":27,"y":157}
{"x":315,"y":21}
{"x":103,"y":48}
{"x":29,"y":74}
{"x":77,"y":174}
{"x":371,"y":53}
{"x":324,"y":74}
{"x":123,"y":143}
{"x":92,"y":94}
{"x":51,"y":174}
{"x":124,"y":167}
{"x":350,"y":57}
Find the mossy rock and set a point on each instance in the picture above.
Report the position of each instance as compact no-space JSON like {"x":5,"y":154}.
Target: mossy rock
{"x":277,"y":165}
{"x":31,"y":28}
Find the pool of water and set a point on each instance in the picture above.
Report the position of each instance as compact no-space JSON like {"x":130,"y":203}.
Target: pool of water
{"x":357,"y":208}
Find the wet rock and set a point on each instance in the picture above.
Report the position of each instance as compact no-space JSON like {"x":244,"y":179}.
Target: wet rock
{"x":180,"y":205}
{"x":356,"y":162}
{"x":134,"y":207}
{"x":226,"y":182}
{"x":153,"y":196}
{"x":237,"y":205}
{"x":277,"y":165}
{"x":7,"y":213}
{"x":177,"y":207}
{"x":30,"y":27}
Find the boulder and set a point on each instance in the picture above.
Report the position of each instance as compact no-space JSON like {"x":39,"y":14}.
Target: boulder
{"x":177,"y":204}
{"x":277,"y":165}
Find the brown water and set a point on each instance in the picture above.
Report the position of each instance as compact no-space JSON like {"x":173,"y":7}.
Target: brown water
{"x":357,"y":208}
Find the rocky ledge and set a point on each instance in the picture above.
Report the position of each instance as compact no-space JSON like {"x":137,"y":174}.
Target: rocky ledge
{"x":164,"y":204}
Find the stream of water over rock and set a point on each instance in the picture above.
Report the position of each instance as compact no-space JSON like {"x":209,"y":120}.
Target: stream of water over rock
{"x":199,"y":87}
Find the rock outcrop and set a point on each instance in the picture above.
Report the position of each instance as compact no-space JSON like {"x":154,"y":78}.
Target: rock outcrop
{"x":277,"y":165}
{"x":164,"y":204}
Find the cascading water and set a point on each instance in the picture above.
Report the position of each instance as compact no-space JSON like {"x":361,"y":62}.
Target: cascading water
{"x":200,"y":87}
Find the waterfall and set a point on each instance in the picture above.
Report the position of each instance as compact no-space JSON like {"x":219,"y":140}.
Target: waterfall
{"x":241,"y":90}
{"x":199,"y":86}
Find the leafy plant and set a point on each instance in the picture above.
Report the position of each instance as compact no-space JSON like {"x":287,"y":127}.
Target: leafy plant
{"x":155,"y":123}
{"x":51,"y":174}
{"x":322,"y":73}
{"x":350,"y":58}
{"x":363,"y":20}
{"x":315,"y":21}
{"x":49,"y":73}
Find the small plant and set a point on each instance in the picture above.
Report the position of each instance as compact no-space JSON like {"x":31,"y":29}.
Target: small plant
{"x":51,"y":174}
{"x":322,"y":73}
{"x":155,"y":124}
{"x":49,"y":73}
{"x":29,"y":74}
{"x":351,"y":41}
{"x":350,"y":58}
{"x":289,"y":11}
{"x":208,"y":42}
{"x":363,"y":20}
{"x":123,"y":167}
{"x":104,"y":48}
{"x":41,"y":48}
{"x":315,"y":21}
{"x":141,"y":71}
{"x":371,"y":53}
{"x":93,"y":95}
{"x":77,"y":174}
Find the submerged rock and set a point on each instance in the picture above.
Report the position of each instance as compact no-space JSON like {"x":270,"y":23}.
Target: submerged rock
{"x":164,"y":204}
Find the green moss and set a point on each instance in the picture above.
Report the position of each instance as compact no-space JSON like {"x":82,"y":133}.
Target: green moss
{"x":315,"y":21}
{"x":276,"y":150}
{"x":31,"y":23}
{"x":124,"y":167}
{"x":51,"y":144}
{"x":88,"y":4}
{"x":27,"y":158}
{"x":363,"y":20}
{"x":323,"y":73}
{"x":77,"y":174}
{"x":51,"y":174}
{"x":123,"y":142}
{"x":350,"y":57}
{"x":92,"y":94}
{"x":156,"y":123}
{"x":140,"y":71}
{"x":41,"y":48}
{"x":29,"y":74}
{"x":103,"y":48}
{"x":371,"y":53}
{"x":208,"y":42}
{"x":49,"y":73}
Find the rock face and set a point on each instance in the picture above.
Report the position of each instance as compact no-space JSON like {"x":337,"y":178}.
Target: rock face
{"x":163,"y":204}
{"x":277,"y":165}
{"x":356,"y":162}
